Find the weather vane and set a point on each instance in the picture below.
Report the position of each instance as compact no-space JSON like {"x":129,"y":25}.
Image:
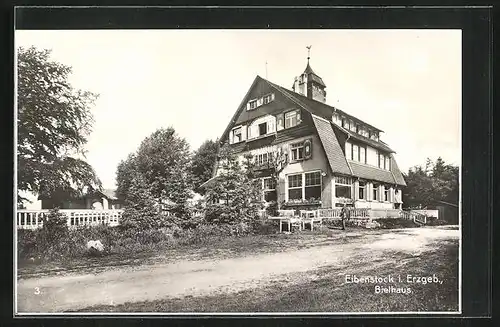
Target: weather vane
{"x":308,"y":52}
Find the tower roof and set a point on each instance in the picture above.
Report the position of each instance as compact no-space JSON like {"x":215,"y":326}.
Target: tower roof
{"x":311,"y":75}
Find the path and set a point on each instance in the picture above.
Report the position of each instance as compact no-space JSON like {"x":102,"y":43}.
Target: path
{"x":150,"y":282}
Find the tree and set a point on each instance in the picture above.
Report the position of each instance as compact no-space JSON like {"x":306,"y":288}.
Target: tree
{"x":437,"y":181}
{"x":53,"y":122}
{"x":141,"y":211}
{"x":278,"y":162}
{"x":235,"y":195}
{"x":160,"y":167}
{"x":202,"y":164}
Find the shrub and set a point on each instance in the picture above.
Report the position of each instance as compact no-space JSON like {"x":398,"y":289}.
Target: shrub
{"x":266,"y":227}
{"x":50,"y":238}
{"x":396,"y":223}
{"x":26,"y":244}
{"x":433,"y":221}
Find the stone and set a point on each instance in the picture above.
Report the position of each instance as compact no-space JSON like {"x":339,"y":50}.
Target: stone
{"x":95,"y":247}
{"x":372,"y":224}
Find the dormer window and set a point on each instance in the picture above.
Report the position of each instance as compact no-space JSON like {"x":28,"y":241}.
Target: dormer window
{"x":252,"y":104}
{"x":261,"y":126}
{"x":268,"y":98}
{"x":292,"y":118}
{"x":373,"y":135}
{"x":255,"y":103}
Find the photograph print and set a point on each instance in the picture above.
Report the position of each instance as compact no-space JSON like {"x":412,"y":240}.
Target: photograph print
{"x":194,"y":172}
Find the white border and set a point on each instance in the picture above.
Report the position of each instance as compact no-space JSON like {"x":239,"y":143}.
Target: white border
{"x":408,"y":314}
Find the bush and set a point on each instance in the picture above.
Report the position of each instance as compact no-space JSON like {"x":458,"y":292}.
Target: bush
{"x":266,"y":227}
{"x":390,"y":223}
{"x":433,"y":221}
{"x":26,"y":243}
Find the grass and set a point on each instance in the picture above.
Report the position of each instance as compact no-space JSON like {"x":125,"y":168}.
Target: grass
{"x":211,"y":248}
{"x":325,"y":290}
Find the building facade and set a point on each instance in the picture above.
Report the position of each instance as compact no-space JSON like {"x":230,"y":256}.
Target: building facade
{"x":98,"y":200}
{"x":328,"y":157}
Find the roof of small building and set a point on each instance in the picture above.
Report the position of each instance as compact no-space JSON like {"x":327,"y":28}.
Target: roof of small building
{"x":109,"y":193}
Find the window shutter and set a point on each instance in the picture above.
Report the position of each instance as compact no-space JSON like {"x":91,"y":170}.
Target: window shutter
{"x":280,"y":120}
{"x":231,"y":137}
{"x":307,"y":149}
{"x":298,"y":117}
{"x":244,"y":133}
{"x":271,"y":127}
{"x":272,"y":96}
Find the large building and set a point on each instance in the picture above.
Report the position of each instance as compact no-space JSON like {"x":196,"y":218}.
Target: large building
{"x":331,"y":157}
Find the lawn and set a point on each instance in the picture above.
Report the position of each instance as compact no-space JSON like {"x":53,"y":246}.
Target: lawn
{"x":324,"y":289}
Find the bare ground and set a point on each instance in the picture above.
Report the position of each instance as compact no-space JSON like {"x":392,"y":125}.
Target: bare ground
{"x":218,"y":274}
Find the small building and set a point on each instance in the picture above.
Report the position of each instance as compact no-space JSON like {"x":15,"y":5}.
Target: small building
{"x":447,"y":211}
{"x":105,"y":199}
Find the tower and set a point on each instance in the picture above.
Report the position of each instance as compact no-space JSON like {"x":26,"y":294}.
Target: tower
{"x":309,"y":83}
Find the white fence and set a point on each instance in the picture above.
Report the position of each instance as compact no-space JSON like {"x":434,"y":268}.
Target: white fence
{"x":33,"y":219}
{"x":428,"y":213}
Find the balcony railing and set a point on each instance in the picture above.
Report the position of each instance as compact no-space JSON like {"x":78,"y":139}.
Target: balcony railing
{"x":33,"y":219}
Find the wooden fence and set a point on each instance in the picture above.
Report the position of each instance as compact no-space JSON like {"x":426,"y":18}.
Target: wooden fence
{"x":33,"y":219}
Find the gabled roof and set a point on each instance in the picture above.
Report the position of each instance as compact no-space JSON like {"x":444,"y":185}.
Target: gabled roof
{"x":321,"y":116}
{"x":109,"y":193}
{"x":319,"y":108}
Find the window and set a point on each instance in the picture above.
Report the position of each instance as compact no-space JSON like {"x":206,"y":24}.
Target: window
{"x":252,"y":104}
{"x":384,"y":161}
{"x":263,"y":158}
{"x":355,"y":152}
{"x":362,"y":189}
{"x":237,"y":135}
{"x":263,"y":129}
{"x":343,"y":186}
{"x":313,"y":186}
{"x":345,"y":123}
{"x":375,"y":192}
{"x":386,"y":193}
{"x":297,"y":151}
{"x":295,"y":187}
{"x":362,"y":154}
{"x":269,"y":185}
{"x":348,"y":150}
{"x":292,"y":118}
{"x":268,"y":98}
{"x":305,"y":186}
{"x":336,"y":118}
{"x":352,"y":126}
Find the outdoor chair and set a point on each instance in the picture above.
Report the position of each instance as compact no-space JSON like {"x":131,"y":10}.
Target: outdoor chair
{"x":309,"y":217}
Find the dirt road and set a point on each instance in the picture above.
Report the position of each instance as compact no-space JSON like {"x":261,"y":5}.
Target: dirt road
{"x":202,"y":277}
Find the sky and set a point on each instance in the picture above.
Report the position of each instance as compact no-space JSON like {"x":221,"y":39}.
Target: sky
{"x":404,"y":82}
